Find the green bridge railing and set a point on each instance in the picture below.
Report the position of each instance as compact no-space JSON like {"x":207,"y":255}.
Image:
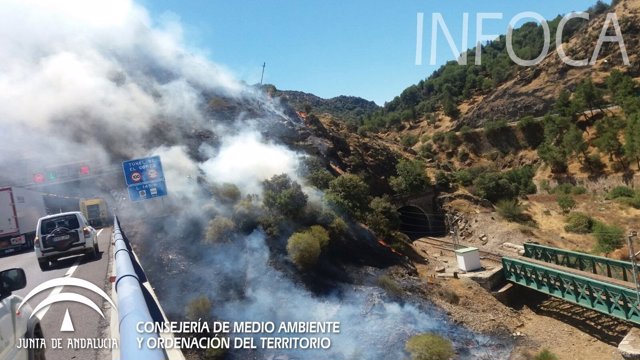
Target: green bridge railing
{"x":607,"y":298}
{"x":615,"y":269}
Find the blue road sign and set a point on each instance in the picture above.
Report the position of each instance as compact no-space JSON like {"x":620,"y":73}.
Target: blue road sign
{"x":147,"y":190}
{"x":144,"y":178}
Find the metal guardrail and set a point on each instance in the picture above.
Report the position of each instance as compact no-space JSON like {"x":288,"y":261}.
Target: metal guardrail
{"x":615,"y":269}
{"x":606,"y":298}
{"x":132,"y":306}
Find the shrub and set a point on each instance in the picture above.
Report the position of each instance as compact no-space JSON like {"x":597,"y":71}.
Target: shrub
{"x":198,"y":308}
{"x":304,"y":247}
{"x":389,"y":285}
{"x":383,"y":217}
{"x":429,"y":347}
{"x":620,"y":191}
{"x":594,"y":164}
{"x":495,"y":186}
{"x":633,"y":201}
{"x":568,"y":188}
{"x":443,"y":180}
{"x":283,"y":195}
{"x":579,"y":223}
{"x":544,"y":185}
{"x":532,"y":130}
{"x":221,"y":229}
{"x":349,"y":194}
{"x":411,"y":178}
{"x":246,"y":214}
{"x":511,"y":210}
{"x":579,"y":190}
{"x":227,"y":193}
{"x":438,"y":137}
{"x":466,"y":133}
{"x":338,"y":226}
{"x":608,"y":237}
{"x":495,"y":130}
{"x":409,"y":140}
{"x":320,"y":178}
{"x":449,"y":296}
{"x":566,"y":202}
{"x":426,"y":151}
{"x":452,"y":140}
{"x":562,"y":189}
{"x":545,"y":355}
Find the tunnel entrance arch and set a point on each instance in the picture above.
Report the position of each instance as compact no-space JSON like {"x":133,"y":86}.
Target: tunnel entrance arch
{"x":417,"y":223}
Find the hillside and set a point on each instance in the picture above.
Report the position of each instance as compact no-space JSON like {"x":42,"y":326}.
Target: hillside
{"x":533,"y":90}
{"x":346,"y":108}
{"x":540,"y":143}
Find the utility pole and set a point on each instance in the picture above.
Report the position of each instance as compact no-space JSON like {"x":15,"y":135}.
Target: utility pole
{"x":264,"y":64}
{"x":633,"y":234}
{"x":453,"y":230}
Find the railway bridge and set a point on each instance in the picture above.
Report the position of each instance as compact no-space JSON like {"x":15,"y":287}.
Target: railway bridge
{"x":594,"y":282}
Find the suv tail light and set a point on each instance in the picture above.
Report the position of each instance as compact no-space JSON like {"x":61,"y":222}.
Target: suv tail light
{"x":36,"y":241}
{"x":86,"y":231}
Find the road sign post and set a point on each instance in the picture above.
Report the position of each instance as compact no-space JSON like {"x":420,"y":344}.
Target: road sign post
{"x":144,"y":178}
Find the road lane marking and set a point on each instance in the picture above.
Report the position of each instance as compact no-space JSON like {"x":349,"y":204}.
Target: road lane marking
{"x":99,"y":231}
{"x":58,"y":289}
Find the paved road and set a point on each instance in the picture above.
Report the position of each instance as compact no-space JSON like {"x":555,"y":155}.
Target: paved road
{"x":87,"y":323}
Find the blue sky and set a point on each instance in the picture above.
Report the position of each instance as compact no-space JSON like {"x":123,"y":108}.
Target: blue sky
{"x":332,"y":47}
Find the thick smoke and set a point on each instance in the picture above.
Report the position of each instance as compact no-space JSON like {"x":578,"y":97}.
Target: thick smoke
{"x":102,"y":81}
{"x":246,"y":160}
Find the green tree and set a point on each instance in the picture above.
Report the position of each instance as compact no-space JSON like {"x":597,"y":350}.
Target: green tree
{"x":429,"y":347}
{"x":621,"y":86}
{"x":563,"y":104}
{"x":588,"y":97}
{"x":383,"y":217}
{"x":607,"y":139}
{"x":283,"y":195}
{"x":574,"y":143}
{"x":304,"y":247}
{"x":349,"y":194}
{"x":632,"y":138}
{"x":553,"y":150}
{"x":411,"y":179}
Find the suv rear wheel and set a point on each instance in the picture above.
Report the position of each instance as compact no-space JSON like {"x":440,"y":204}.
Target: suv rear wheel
{"x":95,"y":251}
{"x":44,"y":265}
{"x":38,"y":352}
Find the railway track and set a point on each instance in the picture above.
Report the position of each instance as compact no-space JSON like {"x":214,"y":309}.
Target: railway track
{"x":448,"y":246}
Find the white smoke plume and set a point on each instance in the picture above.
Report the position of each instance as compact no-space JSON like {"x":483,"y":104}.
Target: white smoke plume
{"x":102,"y":80}
{"x":246,"y":160}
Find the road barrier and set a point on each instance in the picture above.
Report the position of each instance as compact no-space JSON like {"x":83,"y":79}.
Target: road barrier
{"x":133,"y":305}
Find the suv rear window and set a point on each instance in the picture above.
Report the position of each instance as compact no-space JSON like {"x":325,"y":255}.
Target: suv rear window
{"x":68,"y":221}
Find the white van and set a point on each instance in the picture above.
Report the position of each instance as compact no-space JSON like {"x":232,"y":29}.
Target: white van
{"x":17,"y":326}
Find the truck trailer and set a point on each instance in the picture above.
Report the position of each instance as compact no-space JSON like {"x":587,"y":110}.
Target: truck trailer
{"x":20,"y":210}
